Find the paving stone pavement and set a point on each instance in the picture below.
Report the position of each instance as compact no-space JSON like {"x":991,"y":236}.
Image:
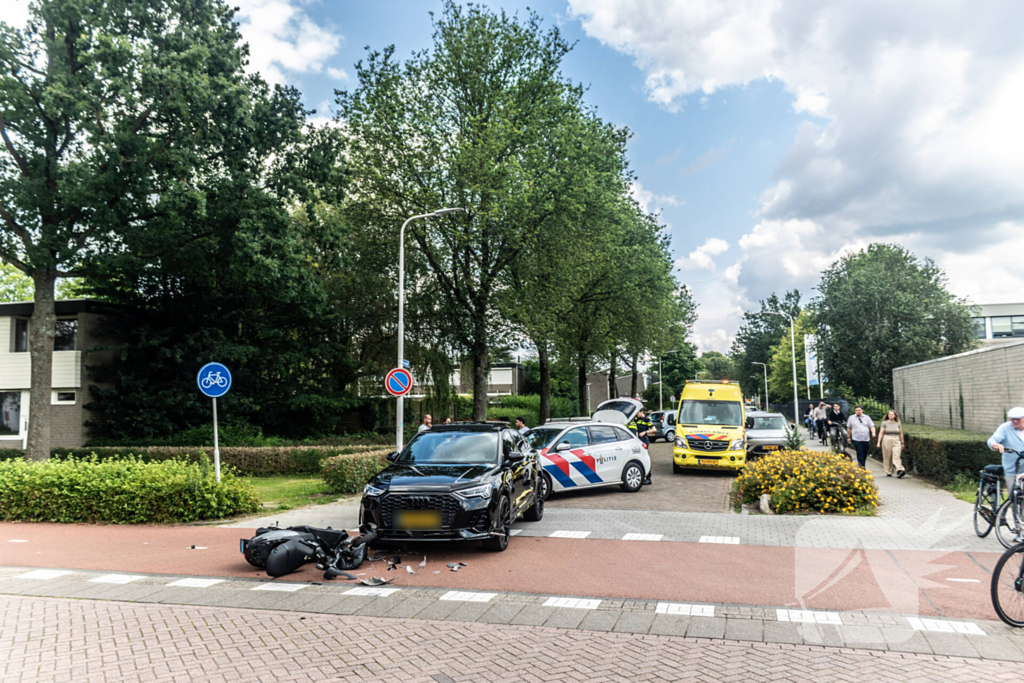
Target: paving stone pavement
{"x":50,"y":639}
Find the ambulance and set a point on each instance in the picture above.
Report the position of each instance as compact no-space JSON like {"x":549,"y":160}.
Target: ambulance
{"x":710,"y":427}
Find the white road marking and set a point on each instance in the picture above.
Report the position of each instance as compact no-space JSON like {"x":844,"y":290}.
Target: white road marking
{"x":17,"y":540}
{"x":575,"y":603}
{"x":515,"y":532}
{"x":371,"y":591}
{"x":280,"y":587}
{"x":643,"y":537}
{"x":195,"y":583}
{"x":965,"y":580}
{"x":116,"y":578}
{"x":943,"y":626}
{"x":728,"y":540}
{"x":685,"y":610}
{"x":807,"y":616}
{"x":569,"y":534}
{"x":467,"y":596}
{"x":43,"y":574}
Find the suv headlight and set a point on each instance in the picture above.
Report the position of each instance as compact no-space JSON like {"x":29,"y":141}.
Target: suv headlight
{"x":373,"y":491}
{"x":737,"y":445}
{"x":481,"y":491}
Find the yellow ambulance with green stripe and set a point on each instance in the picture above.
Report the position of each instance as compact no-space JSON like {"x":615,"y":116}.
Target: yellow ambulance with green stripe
{"x":710,"y":427}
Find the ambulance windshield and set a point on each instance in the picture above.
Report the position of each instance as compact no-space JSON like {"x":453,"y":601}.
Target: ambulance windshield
{"x":711,"y":413}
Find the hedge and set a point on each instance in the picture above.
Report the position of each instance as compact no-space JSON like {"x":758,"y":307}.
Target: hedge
{"x":532,"y":417}
{"x":529,"y":404}
{"x":124,"y":491}
{"x":939,"y":453}
{"x":349,"y":473}
{"x":254,"y":461}
{"x":808,"y":481}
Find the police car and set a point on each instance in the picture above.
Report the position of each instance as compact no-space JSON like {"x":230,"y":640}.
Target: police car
{"x":575,"y":455}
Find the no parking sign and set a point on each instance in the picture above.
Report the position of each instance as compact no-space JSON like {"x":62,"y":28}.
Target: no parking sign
{"x":398,"y":382}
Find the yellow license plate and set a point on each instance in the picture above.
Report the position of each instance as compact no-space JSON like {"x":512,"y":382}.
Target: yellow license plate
{"x":706,"y":462}
{"x":770,"y":448}
{"x":418,"y":519}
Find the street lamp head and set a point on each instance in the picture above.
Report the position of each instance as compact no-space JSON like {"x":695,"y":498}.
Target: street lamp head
{"x":445,"y":212}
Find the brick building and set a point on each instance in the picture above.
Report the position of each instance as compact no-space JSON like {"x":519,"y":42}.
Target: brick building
{"x":79,"y":328}
{"x":971,"y":390}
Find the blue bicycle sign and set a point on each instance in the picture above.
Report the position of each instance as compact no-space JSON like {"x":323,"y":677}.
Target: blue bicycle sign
{"x":214,"y":380}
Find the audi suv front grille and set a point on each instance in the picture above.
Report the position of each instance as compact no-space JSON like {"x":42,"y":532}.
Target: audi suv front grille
{"x":393,"y":502}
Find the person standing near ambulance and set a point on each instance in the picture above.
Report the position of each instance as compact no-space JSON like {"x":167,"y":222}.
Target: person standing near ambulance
{"x":644,"y":430}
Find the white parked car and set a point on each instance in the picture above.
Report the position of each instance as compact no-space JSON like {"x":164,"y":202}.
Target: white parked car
{"x":582,"y":454}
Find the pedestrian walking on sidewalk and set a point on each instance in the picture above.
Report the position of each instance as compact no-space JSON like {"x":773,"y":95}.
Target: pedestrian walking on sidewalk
{"x":1009,"y":436}
{"x":860,"y":429}
{"x":890,"y":440}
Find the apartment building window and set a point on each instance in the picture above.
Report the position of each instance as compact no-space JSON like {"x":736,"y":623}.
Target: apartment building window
{"x":10,"y":412}
{"x":979,"y":327}
{"x":1008,"y":326}
{"x":20,"y":335}
{"x":64,"y":335}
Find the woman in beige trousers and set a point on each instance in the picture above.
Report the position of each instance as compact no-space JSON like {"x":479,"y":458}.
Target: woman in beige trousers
{"x":890,"y":440}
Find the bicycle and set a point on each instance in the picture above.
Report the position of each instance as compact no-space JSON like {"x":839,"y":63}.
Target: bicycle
{"x":837,"y":438}
{"x":1009,"y":531}
{"x":988,"y":500}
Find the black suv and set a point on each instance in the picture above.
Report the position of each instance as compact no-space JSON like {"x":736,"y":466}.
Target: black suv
{"x":465,"y":482}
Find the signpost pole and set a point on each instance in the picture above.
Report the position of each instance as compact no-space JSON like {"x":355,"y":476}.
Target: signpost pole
{"x":216,"y":443}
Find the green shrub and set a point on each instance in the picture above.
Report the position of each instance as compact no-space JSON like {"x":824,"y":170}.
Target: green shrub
{"x":349,"y":473}
{"x":247,"y":461}
{"x":532,"y":417}
{"x":939,"y":453}
{"x":560,"y":406}
{"x":123,"y":491}
{"x":803,"y":480}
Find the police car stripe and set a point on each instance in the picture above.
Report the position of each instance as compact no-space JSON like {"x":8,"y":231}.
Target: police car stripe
{"x":587,"y":472}
{"x":560,"y":476}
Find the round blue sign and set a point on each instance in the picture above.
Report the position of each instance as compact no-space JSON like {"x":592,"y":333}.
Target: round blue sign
{"x":214,"y":379}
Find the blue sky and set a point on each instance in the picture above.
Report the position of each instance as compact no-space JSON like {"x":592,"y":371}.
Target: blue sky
{"x":774,"y":137}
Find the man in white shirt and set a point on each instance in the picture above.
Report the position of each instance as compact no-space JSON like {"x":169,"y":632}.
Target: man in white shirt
{"x":424,"y":424}
{"x":521,"y":425}
{"x":819,"y":421}
{"x":860,"y":429}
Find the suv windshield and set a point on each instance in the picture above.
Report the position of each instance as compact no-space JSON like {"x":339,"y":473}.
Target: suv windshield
{"x":769,"y":423}
{"x":624,"y":407}
{"x":540,"y":437}
{"x":710,"y":413}
{"x":454,"y":448}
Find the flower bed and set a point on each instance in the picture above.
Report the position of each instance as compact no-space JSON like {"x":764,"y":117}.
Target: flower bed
{"x":808,"y":481}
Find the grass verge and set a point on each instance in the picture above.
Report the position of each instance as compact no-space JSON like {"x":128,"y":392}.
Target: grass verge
{"x":287,"y":492}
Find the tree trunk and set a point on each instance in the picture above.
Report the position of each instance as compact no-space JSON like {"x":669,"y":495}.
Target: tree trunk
{"x":613,"y":387}
{"x":581,"y":385}
{"x":632,"y":390}
{"x":545,"y":382}
{"x":480,"y":367}
{"x":40,"y":343}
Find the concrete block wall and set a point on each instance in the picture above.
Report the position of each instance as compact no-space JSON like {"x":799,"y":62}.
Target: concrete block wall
{"x":969,"y":391}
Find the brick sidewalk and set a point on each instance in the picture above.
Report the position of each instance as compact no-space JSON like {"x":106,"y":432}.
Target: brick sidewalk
{"x":47,"y":639}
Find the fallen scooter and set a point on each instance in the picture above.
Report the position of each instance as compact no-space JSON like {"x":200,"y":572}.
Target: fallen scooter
{"x":282,"y":551}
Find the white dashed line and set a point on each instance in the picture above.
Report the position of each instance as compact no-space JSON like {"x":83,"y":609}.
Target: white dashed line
{"x":965,"y":580}
{"x":807,"y":616}
{"x":569,"y":534}
{"x":466,"y":596}
{"x":116,"y":578}
{"x":728,"y":540}
{"x":943,"y":626}
{"x":280,"y":587}
{"x":575,"y":603}
{"x":515,"y":532}
{"x":371,"y":591}
{"x":643,"y":537}
{"x":195,"y":583}
{"x":685,"y":610}
{"x":17,"y":540}
{"x":43,"y":574}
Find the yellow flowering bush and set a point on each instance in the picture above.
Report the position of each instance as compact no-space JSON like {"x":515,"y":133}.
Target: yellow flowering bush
{"x":811,"y":481}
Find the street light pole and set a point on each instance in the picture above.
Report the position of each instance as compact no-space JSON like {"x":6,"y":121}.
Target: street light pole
{"x":792,"y":343}
{"x":765,"y":368}
{"x":661,"y":378}
{"x":400,"y":407}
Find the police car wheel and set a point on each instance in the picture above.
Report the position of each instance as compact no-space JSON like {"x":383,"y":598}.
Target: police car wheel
{"x":632,"y":477}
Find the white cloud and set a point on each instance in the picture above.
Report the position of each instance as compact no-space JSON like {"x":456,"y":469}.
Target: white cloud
{"x":337,"y":74}
{"x":700,"y":257}
{"x":913,"y":133}
{"x":650,"y":201}
{"x":15,"y":13}
{"x":284,"y":42}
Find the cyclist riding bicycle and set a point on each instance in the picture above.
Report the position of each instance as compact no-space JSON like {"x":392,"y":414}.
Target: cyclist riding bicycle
{"x":1009,"y":436}
{"x":835,"y":427}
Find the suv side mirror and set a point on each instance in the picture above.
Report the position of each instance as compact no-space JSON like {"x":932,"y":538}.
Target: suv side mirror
{"x":515,"y":457}
{"x":391,"y":457}
{"x":564,"y":446}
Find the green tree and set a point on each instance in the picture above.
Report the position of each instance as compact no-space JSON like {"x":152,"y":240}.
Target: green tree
{"x":717,"y":366}
{"x":461,"y":124}
{"x":780,"y":367}
{"x":760,"y":332}
{"x":110,"y":116}
{"x":881,"y":308}
{"x":677,"y":368}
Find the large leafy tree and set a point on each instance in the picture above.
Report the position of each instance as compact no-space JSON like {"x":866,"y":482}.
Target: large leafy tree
{"x":461,"y":125}
{"x":111,"y":114}
{"x":881,"y":308}
{"x":760,"y":332}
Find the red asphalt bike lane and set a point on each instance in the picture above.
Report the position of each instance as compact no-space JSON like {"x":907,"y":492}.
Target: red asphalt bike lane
{"x":903,"y":581}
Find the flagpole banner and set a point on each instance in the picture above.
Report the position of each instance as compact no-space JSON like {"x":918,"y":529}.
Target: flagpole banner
{"x":811,"y":359}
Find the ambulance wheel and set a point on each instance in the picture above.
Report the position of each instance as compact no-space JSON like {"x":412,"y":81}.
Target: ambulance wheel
{"x":676,"y":469}
{"x":632,"y":477}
